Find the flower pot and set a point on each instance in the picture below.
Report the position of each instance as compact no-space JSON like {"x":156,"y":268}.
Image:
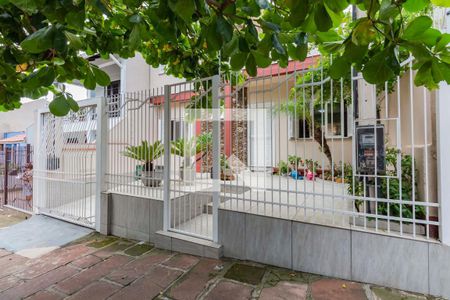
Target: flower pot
{"x":151,"y":178}
{"x":188,"y":173}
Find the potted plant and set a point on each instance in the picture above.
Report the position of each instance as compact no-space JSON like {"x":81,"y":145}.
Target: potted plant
{"x":147,"y":154}
{"x":195,"y":147}
{"x":226,"y":174}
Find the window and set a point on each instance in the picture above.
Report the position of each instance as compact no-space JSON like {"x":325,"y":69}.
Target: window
{"x":112,"y":93}
{"x":299,"y":128}
{"x":337,"y":121}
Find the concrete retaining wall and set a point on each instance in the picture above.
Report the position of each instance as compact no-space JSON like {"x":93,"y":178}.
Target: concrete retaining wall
{"x":402,"y":263}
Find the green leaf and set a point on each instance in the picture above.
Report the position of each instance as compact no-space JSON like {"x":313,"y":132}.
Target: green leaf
{"x":277,"y":45}
{"x":250,"y":66}
{"x":424,"y":76}
{"x":339,"y":68}
{"x":443,"y":3}
{"x":417,"y":27}
{"x":40,"y":40}
{"x":298,"y":52}
{"x":322,"y":18}
{"x":299,"y":11}
{"x":89,"y":80}
{"x":100,"y":76}
{"x":183,"y":8}
{"x":238,"y":60}
{"x":363,"y":33}
{"x":429,"y":37}
{"x":262,"y":60}
{"x":377,"y":70}
{"x":28,"y":6}
{"x":336,"y":5}
{"x":354,"y":52}
{"x":224,"y":29}
{"x":41,"y":78}
{"x":213,"y":40}
{"x":415,"y":5}
{"x":72,"y":103}
{"x":74,"y":41}
{"x":59,"y":106}
{"x":442,"y":43}
{"x":135,"y":37}
{"x":75,"y":19}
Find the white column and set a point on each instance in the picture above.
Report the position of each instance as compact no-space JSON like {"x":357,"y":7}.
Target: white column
{"x":166,"y":131}
{"x":216,"y":155}
{"x":443,"y":154}
{"x":101,"y":158}
{"x":38,"y":165}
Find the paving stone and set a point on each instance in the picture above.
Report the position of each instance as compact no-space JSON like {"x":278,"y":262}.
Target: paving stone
{"x":193,"y":283}
{"x":45,"y":295}
{"x":380,"y":293}
{"x":336,"y":289}
{"x":53,"y":260}
{"x":135,"y":269}
{"x":148,"y":286}
{"x":39,"y":283}
{"x":96,"y":291}
{"x":11,"y":264}
{"x":285,"y":290}
{"x":118,"y":246}
{"x":139,"y":249}
{"x":92,"y":274}
{"x":230,"y":290}
{"x":100,"y":241}
{"x":8,"y":282}
{"x":182,"y":261}
{"x":86,"y":261}
{"x":245,"y":273}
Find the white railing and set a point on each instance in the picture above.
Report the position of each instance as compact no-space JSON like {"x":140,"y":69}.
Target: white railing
{"x":291,"y":143}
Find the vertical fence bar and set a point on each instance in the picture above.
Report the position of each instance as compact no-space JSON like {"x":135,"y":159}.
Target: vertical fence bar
{"x":443,"y":159}
{"x":166,"y":131}
{"x":101,"y":158}
{"x":443,"y":144}
{"x":216,"y":154}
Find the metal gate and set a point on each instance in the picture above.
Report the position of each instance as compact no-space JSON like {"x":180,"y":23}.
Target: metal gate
{"x":65,"y":164}
{"x":16,"y":180}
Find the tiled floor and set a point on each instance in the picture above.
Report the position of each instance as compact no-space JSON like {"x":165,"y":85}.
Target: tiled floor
{"x":99,"y":267}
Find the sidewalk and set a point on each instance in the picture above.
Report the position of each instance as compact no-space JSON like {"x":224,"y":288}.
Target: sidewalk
{"x":99,"y":267}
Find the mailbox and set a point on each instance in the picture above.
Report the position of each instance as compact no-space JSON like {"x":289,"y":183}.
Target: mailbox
{"x":370,"y":150}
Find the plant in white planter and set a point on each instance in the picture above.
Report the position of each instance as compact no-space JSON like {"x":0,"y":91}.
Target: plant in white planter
{"x":147,"y":154}
{"x":192,"y":150}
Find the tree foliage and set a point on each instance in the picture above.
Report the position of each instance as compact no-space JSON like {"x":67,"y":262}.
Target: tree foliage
{"x":45,"y":42}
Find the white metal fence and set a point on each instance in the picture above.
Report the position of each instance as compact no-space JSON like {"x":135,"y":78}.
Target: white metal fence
{"x":65,"y":164}
{"x":290,"y":143}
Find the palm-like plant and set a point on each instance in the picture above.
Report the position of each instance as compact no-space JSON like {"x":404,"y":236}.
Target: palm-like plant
{"x":146,"y":153}
{"x":192,"y":147}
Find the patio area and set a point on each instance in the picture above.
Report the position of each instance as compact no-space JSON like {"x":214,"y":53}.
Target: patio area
{"x":100,"y":267}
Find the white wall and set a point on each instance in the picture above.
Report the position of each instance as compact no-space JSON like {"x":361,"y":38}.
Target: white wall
{"x":22,"y":118}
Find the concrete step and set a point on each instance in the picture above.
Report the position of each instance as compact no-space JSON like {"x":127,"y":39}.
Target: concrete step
{"x":187,"y":244}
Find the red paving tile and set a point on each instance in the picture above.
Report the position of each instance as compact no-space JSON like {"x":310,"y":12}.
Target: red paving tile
{"x":53,"y":260}
{"x":8,"y":282}
{"x":96,"y":291}
{"x":285,"y":290}
{"x":11,"y":264}
{"x":45,"y":295}
{"x":86,"y":261}
{"x":39,"y":283}
{"x":193,"y":283}
{"x":148,"y":286}
{"x":226,"y":290}
{"x":92,"y":274}
{"x":336,"y":289}
{"x":135,"y":269}
{"x":182,"y":261}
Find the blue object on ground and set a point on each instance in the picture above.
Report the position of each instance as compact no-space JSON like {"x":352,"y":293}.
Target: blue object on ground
{"x":295,"y":175}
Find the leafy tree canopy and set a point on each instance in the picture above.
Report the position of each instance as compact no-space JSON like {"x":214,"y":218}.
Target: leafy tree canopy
{"x":45,"y":42}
